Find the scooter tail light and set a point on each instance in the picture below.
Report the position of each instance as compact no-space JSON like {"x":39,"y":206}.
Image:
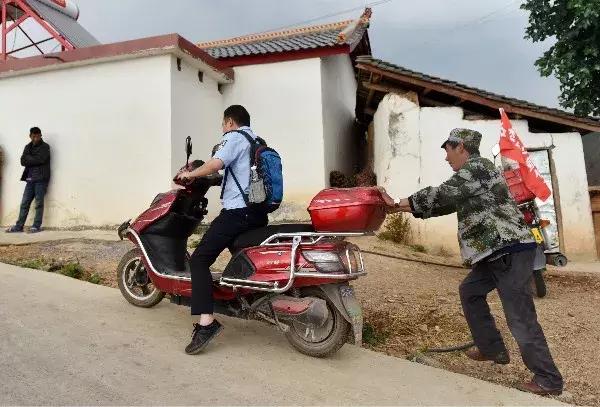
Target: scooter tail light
{"x":325,"y":261}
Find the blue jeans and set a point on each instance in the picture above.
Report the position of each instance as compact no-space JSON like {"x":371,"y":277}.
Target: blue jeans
{"x":35,"y":190}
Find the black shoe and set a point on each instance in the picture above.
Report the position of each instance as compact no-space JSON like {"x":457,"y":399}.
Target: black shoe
{"x":501,"y":358}
{"x":201,"y":336}
{"x":14,"y":229}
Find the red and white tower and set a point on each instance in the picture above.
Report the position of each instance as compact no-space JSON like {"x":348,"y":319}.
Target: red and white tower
{"x":56,"y":18}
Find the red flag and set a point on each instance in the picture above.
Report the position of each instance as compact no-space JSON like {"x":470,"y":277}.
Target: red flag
{"x":512,"y":147}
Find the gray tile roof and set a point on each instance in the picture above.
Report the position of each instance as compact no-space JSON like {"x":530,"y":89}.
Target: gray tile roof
{"x":392,"y":68}
{"x":323,"y":36}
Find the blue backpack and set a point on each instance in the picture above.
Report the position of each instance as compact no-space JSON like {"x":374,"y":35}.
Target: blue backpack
{"x":265,"y":190}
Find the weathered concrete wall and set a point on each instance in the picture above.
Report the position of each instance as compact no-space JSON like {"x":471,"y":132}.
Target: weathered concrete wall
{"x":408,"y":157}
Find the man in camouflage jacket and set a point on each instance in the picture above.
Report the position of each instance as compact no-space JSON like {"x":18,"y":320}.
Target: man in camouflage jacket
{"x":496,"y":242}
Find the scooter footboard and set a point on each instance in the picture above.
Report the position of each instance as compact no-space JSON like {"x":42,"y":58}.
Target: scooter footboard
{"x":344,"y":299}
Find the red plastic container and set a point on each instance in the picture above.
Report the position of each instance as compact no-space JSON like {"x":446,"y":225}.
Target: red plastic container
{"x":347,"y":210}
{"x":516,"y":186}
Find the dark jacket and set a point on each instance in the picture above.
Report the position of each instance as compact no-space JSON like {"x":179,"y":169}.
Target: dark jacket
{"x":36,"y":160}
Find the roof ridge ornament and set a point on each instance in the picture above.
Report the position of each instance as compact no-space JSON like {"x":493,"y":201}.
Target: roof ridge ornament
{"x":362,"y":21}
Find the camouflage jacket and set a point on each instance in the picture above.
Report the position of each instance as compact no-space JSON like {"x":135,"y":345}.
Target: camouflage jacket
{"x":488,"y":217}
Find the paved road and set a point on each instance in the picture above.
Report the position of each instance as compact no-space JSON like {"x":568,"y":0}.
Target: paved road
{"x":63,"y":341}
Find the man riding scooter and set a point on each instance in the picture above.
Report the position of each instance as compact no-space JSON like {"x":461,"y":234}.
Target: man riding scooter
{"x":233,"y":155}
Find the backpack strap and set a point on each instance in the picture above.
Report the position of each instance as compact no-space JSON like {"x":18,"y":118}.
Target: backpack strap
{"x":244,"y":195}
{"x":252,"y":144}
{"x":229,"y":171}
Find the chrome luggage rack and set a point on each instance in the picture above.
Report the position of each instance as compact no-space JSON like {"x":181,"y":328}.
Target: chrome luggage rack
{"x":296,"y":240}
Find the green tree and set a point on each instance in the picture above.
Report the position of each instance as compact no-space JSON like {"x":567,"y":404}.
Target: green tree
{"x":575,"y":57}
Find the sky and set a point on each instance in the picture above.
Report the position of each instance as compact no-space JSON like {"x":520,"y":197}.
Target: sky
{"x":475,"y":42}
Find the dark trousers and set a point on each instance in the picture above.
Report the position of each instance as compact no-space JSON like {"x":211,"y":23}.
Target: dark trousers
{"x":35,"y":190}
{"x":219,"y":236}
{"x":511,"y":276}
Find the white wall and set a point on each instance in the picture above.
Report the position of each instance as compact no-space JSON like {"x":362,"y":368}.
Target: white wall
{"x":108,"y":126}
{"x":196,"y":111}
{"x":338,"y":87}
{"x":117,"y":130}
{"x":284,"y":101}
{"x":408,"y":157}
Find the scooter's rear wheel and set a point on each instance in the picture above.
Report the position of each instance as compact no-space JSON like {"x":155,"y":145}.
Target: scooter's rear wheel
{"x":134,"y":282}
{"x":320,"y":341}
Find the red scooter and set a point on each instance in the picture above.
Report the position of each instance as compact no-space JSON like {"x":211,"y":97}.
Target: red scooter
{"x":293,"y":276}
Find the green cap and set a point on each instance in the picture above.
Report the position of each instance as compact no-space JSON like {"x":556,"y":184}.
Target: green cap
{"x":470,"y":138}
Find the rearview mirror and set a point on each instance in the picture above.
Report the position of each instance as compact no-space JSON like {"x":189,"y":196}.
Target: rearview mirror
{"x":496,"y":150}
{"x":188,"y":149}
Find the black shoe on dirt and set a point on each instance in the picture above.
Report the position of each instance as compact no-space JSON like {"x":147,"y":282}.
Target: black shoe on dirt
{"x":14,"y":229}
{"x":501,"y":358}
{"x":202,"y":335}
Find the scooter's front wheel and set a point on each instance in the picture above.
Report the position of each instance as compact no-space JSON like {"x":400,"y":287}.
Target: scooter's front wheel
{"x":324,"y":340}
{"x":134,"y":282}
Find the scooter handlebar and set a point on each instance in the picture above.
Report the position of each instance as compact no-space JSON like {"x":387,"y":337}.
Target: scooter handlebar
{"x":210,"y":180}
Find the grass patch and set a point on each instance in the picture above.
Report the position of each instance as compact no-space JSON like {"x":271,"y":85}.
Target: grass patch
{"x":418,"y":248}
{"x":397,"y":229}
{"x":95,"y":279}
{"x":73,"y":270}
{"x":372,"y":336}
{"x":37,"y":264}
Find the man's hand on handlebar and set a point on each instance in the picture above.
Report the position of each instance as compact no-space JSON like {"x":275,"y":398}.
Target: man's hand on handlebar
{"x":184,"y":176}
{"x":210,"y":167}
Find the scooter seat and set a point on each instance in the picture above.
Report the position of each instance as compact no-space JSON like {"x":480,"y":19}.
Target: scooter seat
{"x":256,"y":236}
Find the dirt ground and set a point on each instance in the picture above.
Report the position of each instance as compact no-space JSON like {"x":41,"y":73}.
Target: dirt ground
{"x":411,"y":306}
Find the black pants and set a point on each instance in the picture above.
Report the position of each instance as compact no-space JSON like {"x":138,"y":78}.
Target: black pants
{"x":219,"y":236}
{"x":511,"y":276}
{"x":35,"y":190}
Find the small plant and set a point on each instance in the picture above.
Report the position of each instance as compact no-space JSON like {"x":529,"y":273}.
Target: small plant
{"x":372,"y":336}
{"x":73,"y":270}
{"x":397,"y":229}
{"x":95,"y":279}
{"x":37,"y":264}
{"x":418,"y":248}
